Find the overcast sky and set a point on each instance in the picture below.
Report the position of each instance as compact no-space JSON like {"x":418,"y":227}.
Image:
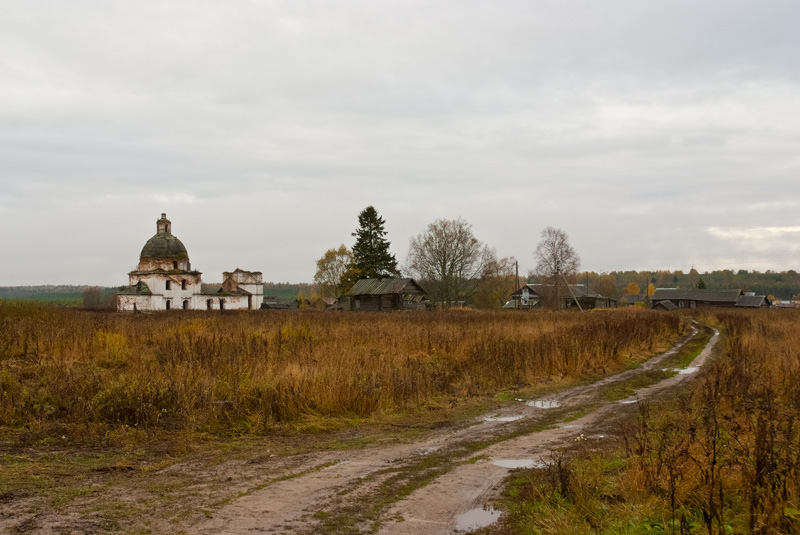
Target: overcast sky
{"x":656,"y":134}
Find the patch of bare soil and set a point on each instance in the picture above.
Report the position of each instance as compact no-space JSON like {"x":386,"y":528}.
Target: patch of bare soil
{"x":389,"y":488}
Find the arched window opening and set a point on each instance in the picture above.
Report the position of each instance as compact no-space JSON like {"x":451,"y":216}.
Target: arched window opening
{"x":186,"y":304}
{"x":168,"y":304}
{"x":222,"y":304}
{"x":209,"y":304}
{"x":174,"y":265}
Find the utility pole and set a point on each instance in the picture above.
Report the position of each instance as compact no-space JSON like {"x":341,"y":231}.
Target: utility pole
{"x":558,"y":286}
{"x":573,"y":294}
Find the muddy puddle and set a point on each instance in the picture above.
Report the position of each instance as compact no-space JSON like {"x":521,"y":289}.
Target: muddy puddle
{"x":628,"y":401}
{"x":544,"y":403}
{"x":502,"y":418}
{"x":476,"y":519}
{"x":518,"y":463}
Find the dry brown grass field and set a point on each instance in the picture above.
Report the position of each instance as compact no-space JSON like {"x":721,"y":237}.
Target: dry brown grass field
{"x":92,"y":376}
{"x":107,"y":419}
{"x":720,"y":458}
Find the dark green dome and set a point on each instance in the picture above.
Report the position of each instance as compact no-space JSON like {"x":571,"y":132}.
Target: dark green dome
{"x":163,"y":246}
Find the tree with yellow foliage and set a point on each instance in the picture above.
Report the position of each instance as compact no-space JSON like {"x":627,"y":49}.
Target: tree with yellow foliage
{"x":332,"y":271}
{"x":631,"y":289}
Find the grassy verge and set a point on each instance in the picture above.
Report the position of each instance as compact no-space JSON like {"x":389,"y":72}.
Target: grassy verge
{"x":691,"y":350}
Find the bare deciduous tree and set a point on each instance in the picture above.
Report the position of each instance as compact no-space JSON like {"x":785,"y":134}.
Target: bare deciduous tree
{"x":498,"y":282}
{"x":555,"y":261}
{"x":449,"y":260}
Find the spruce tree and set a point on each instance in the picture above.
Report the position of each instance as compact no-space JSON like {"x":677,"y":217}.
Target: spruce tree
{"x":371,"y":256}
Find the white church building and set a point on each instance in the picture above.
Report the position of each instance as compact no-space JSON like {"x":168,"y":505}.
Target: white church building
{"x":165,"y":280}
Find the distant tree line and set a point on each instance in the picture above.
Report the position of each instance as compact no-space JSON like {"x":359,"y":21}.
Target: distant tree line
{"x":63,"y":294}
{"x":781,"y":285}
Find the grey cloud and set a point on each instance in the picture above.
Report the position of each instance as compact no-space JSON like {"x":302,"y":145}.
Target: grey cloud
{"x":265,"y":128}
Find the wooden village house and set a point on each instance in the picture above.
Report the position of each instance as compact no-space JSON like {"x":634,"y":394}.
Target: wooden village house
{"x":678,"y":298}
{"x":384,"y":294}
{"x":533,"y":295}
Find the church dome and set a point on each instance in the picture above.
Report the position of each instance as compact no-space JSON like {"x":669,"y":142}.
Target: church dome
{"x":164,"y":247}
{"x":163,"y":251}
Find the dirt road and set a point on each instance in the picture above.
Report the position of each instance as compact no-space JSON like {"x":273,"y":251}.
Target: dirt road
{"x":438,"y":486}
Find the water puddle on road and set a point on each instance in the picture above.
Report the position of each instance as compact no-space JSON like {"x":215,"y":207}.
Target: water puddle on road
{"x":476,"y":519}
{"x":518,"y":463}
{"x":682,"y":371}
{"x":544,"y":403}
{"x":502,"y":418}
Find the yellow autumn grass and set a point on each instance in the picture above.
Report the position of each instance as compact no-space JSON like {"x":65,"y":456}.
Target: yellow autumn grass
{"x":246,"y":372}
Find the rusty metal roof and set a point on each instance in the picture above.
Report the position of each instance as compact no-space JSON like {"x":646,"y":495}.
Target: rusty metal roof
{"x":385,"y":286}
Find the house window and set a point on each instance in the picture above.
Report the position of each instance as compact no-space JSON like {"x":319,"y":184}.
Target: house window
{"x":692,"y":304}
{"x":222,"y":304}
{"x":358,"y":303}
{"x":183,"y":285}
{"x":169,"y":285}
{"x":175,"y":265}
{"x":209,"y":304}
